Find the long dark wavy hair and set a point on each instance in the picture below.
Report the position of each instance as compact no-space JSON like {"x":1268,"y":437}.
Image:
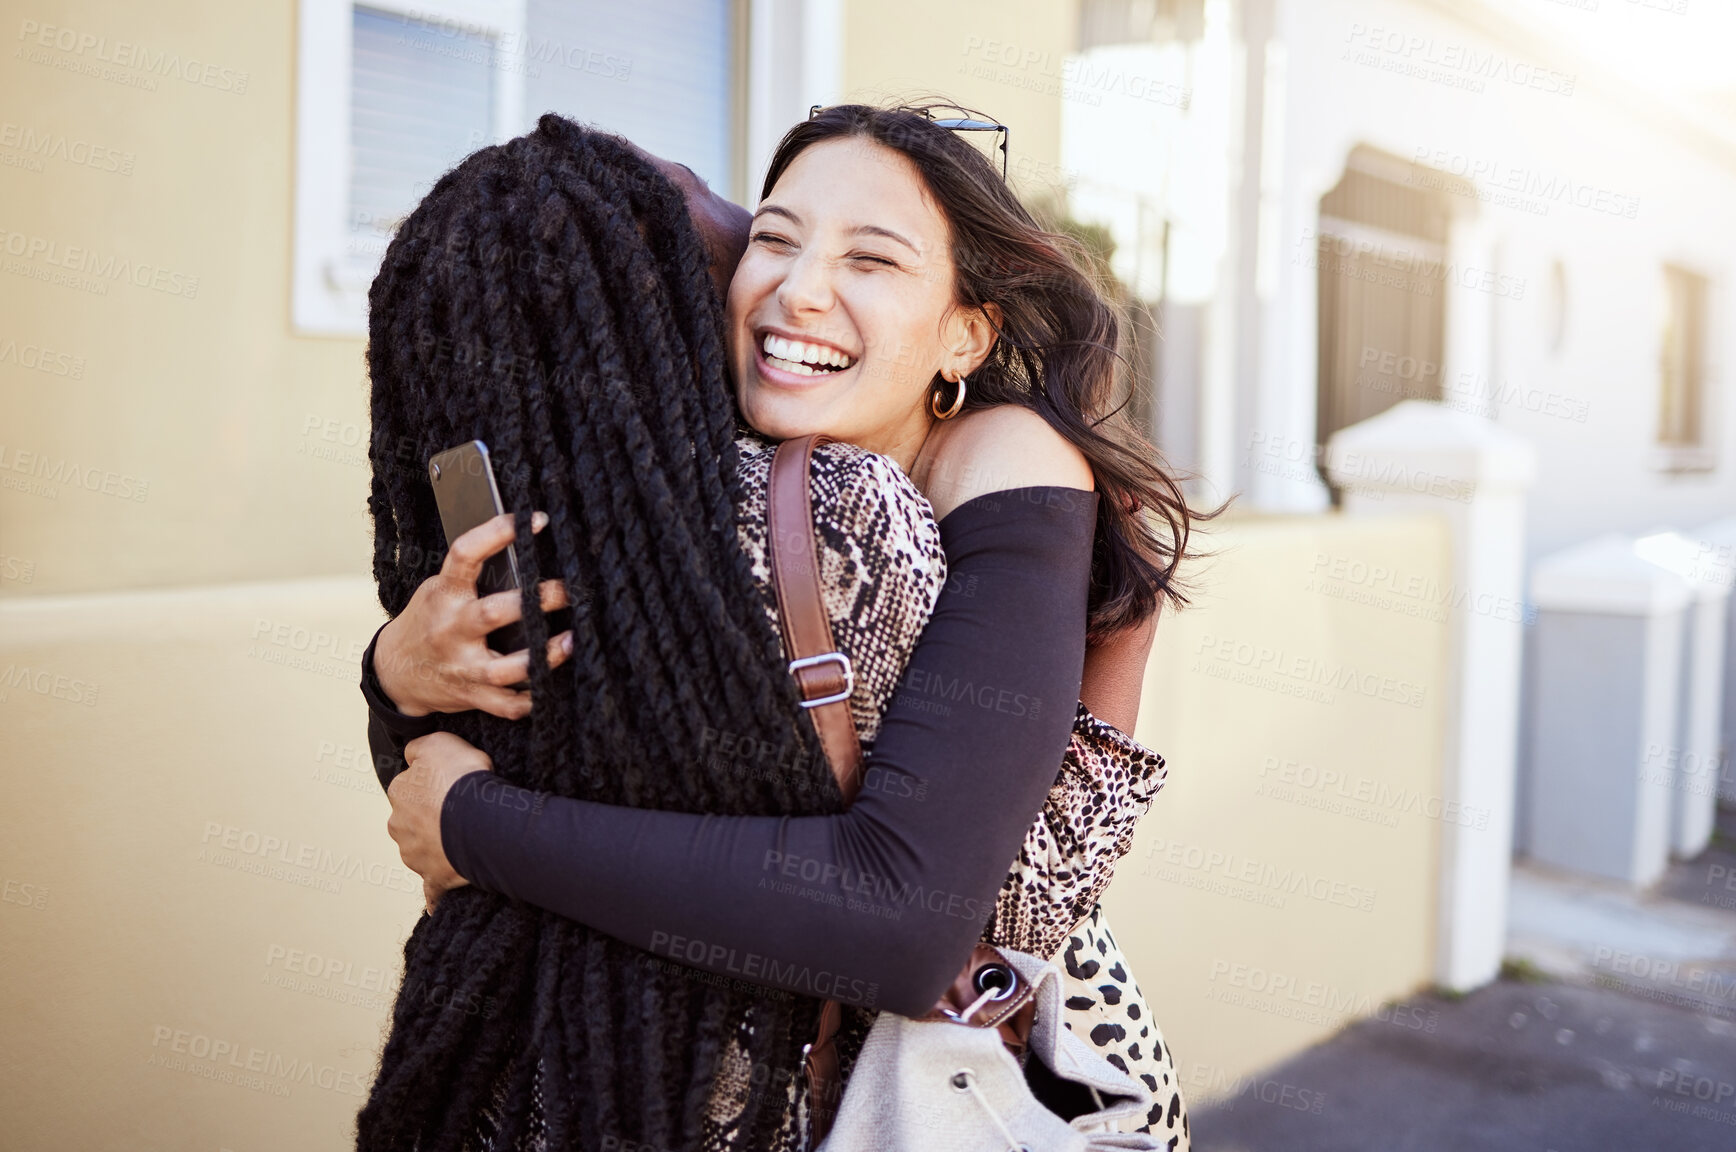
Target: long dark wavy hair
{"x":551,"y":297}
{"x":1057,"y":351}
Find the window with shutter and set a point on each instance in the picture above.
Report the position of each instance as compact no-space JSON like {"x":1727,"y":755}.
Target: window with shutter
{"x":420,"y":101}
{"x":658,"y":72}
{"x":392,"y":93}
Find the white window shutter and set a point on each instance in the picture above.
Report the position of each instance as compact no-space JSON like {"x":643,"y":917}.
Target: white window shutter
{"x":421,"y":99}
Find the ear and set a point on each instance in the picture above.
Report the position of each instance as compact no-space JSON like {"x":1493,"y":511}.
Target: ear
{"x":970,"y":336}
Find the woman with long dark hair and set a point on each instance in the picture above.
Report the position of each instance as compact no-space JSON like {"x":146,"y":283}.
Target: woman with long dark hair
{"x":1034,"y":344}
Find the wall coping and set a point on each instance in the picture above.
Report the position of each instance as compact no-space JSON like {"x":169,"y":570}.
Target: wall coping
{"x":1607,"y":576}
{"x":150,"y":615}
{"x":1422,"y":438}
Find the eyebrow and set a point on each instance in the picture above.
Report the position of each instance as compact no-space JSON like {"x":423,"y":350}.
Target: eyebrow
{"x":859,"y":230}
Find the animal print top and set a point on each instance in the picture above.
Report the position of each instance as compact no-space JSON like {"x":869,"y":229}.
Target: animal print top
{"x":881,"y":571}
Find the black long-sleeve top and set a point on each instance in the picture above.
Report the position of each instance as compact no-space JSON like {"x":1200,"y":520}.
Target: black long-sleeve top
{"x":876,"y":906}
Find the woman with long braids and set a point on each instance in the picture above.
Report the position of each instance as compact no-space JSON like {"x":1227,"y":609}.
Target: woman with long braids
{"x":1040,"y":342}
{"x":622,"y":427}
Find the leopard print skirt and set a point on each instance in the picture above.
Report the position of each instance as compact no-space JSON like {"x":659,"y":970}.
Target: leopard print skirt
{"x":1106,"y":1007}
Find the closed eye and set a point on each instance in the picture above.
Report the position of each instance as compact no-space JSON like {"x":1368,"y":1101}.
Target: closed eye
{"x":771,"y":238}
{"x":868,"y":258}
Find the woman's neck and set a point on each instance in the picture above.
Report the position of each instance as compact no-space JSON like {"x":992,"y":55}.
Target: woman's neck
{"x":905,"y":446}
{"x":921,"y":467}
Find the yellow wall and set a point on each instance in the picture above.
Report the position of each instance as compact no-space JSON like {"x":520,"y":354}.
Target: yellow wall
{"x":202,"y":396}
{"x":1266,"y":902}
{"x":1001,"y":57}
{"x":190,"y":818}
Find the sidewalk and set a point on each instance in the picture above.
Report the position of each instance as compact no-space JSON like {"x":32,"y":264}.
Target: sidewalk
{"x":1615,"y":1029}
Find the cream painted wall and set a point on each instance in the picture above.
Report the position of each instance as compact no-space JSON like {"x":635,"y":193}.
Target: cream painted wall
{"x":1001,"y":57}
{"x":191,"y":407}
{"x":1284,"y":882}
{"x":192,"y":855}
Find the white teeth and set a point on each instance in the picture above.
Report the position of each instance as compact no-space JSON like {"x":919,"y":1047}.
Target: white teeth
{"x":804,"y":356}
{"x":796,"y":367}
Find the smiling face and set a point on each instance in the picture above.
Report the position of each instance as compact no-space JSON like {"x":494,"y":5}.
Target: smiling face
{"x":841,"y":313}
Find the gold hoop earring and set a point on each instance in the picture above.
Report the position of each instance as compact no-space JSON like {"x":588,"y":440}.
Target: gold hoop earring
{"x":957,"y":403}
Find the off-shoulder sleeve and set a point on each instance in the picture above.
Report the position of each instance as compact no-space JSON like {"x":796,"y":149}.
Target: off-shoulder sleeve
{"x":876,"y":906}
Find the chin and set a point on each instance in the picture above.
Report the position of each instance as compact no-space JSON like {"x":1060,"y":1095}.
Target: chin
{"x":781,"y":417}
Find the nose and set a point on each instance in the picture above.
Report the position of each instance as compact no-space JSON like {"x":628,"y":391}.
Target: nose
{"x":807,"y":285}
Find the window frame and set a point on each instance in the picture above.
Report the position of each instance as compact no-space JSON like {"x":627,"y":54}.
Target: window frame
{"x":328,"y":294}
{"x":1695,"y":454}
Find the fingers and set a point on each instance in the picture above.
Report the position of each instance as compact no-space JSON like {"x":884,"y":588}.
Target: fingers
{"x":552,"y":594}
{"x":505,"y":671}
{"x":464,"y":559}
{"x":431,"y":744}
{"x":494,"y":610}
{"x":503,"y":702}
{"x":501,"y":608}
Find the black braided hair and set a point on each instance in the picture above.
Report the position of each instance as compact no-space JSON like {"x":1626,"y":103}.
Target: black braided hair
{"x":552,"y":298}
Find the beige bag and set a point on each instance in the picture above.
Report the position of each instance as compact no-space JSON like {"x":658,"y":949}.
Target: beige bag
{"x":952,"y":1081}
{"x":940,"y":1085}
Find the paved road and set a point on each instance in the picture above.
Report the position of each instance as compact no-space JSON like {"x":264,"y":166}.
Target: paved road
{"x":1515,"y":1067}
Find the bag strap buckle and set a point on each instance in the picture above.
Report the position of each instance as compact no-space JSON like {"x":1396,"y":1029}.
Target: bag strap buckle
{"x":844,"y":665}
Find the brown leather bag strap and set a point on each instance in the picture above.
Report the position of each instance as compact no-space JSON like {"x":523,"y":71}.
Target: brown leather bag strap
{"x":825,"y":1075}
{"x":1012,"y":1008}
{"x":823,"y":674}
{"x":825,"y":679}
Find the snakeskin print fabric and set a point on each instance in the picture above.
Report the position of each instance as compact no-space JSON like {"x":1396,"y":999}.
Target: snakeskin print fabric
{"x":881,"y":571}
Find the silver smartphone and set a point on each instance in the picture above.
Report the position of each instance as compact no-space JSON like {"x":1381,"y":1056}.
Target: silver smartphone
{"x":466,"y":494}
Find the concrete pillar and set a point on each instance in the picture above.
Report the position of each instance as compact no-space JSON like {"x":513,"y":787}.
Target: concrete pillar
{"x":1690,"y":763}
{"x":1421,"y":457}
{"x":1715,"y":560}
{"x":1604,"y":699}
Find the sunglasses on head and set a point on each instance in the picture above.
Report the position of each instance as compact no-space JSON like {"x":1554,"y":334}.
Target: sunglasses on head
{"x":958,"y":124}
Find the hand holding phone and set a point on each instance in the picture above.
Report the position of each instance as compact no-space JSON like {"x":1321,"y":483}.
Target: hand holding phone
{"x":466,"y":494}
{"x":442,"y":652}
